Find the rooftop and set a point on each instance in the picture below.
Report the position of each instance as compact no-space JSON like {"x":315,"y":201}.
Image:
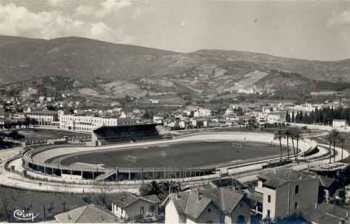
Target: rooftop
{"x":327,"y":213}
{"x":279,"y":177}
{"x":86,"y":214}
{"x":125,"y":199}
{"x":330,"y":167}
{"x":192,"y":203}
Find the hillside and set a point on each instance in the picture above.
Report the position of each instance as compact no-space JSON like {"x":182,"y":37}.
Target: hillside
{"x":97,"y":68}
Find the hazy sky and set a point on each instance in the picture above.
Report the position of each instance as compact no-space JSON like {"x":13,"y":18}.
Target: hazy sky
{"x":300,"y":29}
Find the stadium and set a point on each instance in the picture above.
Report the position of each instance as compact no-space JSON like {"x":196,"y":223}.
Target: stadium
{"x":139,"y":153}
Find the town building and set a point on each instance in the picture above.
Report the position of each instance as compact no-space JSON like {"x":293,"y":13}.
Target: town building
{"x":326,"y":214}
{"x":130,"y":207}
{"x":158,"y":119}
{"x":201,"y":112}
{"x":207,"y":204}
{"x":286,"y":192}
{"x":339,"y":124}
{"x":86,"y":214}
{"x":44,"y":118}
{"x":276,"y":118}
{"x":84,"y":123}
{"x":195,"y":111}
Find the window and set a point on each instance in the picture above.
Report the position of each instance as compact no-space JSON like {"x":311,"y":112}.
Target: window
{"x":295,"y":205}
{"x":142,"y":210}
{"x":269,"y":198}
{"x":296,"y":189}
{"x":268,"y":213}
{"x":209,"y":210}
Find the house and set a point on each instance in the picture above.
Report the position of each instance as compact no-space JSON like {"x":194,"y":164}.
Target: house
{"x":328,"y":187}
{"x":154,"y":101}
{"x":339,"y":124}
{"x":201,"y":112}
{"x":327,"y":213}
{"x":286,"y":192}
{"x":86,"y":214}
{"x":128,"y":206}
{"x":207,"y":204}
{"x":158,"y":119}
{"x":276,"y":118}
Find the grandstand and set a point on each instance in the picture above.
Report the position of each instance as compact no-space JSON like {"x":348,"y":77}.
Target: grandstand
{"x":124,"y":133}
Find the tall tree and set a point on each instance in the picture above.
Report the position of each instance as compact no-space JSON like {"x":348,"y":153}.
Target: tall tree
{"x":279,"y":134}
{"x":342,"y":140}
{"x":295,"y":135}
{"x":288,"y":135}
{"x":332,"y":137}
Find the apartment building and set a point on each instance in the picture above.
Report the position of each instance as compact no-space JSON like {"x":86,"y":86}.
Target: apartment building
{"x":84,"y":123}
{"x":44,"y":118}
{"x":286,"y":192}
{"x":207,"y":204}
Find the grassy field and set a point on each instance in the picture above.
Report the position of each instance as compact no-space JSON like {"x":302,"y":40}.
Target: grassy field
{"x":189,"y":154}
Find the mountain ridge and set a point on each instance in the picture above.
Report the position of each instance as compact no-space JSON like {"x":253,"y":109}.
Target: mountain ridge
{"x":209,"y":73}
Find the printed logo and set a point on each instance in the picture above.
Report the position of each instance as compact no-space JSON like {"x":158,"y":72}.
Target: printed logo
{"x":21,"y":215}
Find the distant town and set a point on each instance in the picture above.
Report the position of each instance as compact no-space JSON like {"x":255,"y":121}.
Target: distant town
{"x":305,"y":181}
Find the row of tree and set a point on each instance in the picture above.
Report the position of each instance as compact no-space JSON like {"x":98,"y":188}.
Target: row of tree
{"x":323,"y":116}
{"x":335,"y":138}
{"x":293,"y":136}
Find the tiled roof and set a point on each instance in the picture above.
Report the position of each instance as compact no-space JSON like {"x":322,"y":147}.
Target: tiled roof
{"x":192,"y":203}
{"x":279,"y":177}
{"x":86,"y":214}
{"x":326,"y":213}
{"x":125,"y":199}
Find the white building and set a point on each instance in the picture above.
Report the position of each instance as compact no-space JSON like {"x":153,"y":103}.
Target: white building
{"x":307,"y":107}
{"x":84,"y":123}
{"x":158,"y":119}
{"x":276,"y":118}
{"x":340,"y":124}
{"x":207,"y":204}
{"x":201,"y":112}
{"x":128,"y":206}
{"x":286,"y":192}
{"x":44,"y":117}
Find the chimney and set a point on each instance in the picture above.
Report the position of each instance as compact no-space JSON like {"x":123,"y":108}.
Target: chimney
{"x":177,"y":195}
{"x":199,"y":194}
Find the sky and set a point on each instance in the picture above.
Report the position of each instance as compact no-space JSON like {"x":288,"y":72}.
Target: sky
{"x":317,"y":30}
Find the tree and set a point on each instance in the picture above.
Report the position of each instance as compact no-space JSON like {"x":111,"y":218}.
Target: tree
{"x":332,"y":137}
{"x":342,"y":140}
{"x":288,"y":135}
{"x":279,"y":134}
{"x":295,"y":134}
